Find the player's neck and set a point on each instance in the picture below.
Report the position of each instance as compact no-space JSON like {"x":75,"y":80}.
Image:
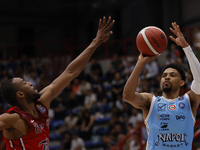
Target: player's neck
{"x":31,"y":109}
{"x":170,"y":95}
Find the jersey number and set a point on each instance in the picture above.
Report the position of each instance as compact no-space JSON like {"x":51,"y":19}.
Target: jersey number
{"x":38,"y":127}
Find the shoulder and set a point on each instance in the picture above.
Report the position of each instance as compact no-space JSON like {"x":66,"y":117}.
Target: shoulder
{"x":8,"y":120}
{"x":194,"y":101}
{"x":193,"y":97}
{"x":12,"y":116}
{"x":148,"y":96}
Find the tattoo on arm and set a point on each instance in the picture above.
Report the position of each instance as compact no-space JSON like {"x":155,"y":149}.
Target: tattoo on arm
{"x":141,"y":99}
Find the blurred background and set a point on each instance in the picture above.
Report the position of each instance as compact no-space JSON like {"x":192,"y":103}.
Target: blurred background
{"x":76,"y":21}
{"x":38,"y":39}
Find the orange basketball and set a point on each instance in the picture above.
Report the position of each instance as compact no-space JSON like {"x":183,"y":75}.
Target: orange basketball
{"x":151,"y":41}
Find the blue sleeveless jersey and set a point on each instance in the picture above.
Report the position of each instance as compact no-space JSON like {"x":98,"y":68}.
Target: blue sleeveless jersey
{"x":170,"y":124}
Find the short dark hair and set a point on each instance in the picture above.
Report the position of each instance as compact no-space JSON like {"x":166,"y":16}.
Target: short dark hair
{"x":8,"y":92}
{"x":178,"y":68}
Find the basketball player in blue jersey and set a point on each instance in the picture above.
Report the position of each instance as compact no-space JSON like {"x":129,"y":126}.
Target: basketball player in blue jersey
{"x":169,"y":118}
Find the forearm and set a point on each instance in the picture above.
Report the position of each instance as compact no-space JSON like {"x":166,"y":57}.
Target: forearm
{"x":194,"y":67}
{"x":132,"y":82}
{"x":78,"y":64}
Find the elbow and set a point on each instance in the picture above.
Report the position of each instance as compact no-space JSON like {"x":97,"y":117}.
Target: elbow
{"x":72,"y":74}
{"x":129,"y":96}
{"x":75,"y":75}
{"x":126,"y":96}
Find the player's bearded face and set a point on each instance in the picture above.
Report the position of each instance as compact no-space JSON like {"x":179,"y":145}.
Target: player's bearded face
{"x":167,"y":88}
{"x":32,"y":96}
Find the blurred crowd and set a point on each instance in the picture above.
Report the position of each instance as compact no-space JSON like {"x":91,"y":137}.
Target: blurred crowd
{"x":97,"y":94}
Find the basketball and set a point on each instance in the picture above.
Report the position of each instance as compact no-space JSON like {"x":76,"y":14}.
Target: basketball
{"x":151,"y":41}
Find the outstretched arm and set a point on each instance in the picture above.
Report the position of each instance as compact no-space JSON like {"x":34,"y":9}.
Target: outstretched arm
{"x":194,"y":93}
{"x":138,"y":100}
{"x":77,"y":65}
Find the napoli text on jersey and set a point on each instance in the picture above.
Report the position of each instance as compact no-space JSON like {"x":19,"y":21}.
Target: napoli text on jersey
{"x":170,"y":124}
{"x":38,"y":136}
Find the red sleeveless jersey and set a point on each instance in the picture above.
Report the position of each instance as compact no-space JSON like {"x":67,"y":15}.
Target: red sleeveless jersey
{"x":37,"y":137}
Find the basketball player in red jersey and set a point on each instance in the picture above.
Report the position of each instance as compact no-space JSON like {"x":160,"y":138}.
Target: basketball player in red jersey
{"x":26,"y":125}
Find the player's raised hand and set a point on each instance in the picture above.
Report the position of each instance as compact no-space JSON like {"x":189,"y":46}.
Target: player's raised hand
{"x":104,"y":32}
{"x":146,"y":59}
{"x":180,"y":39}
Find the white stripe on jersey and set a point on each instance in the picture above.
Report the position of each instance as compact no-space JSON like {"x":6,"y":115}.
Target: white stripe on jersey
{"x":11,"y":144}
{"x":22,"y":144}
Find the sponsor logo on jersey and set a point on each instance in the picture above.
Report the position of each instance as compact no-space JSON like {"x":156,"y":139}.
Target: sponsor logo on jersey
{"x":163,"y":126}
{"x":161,"y":106}
{"x":163,"y":117}
{"x":170,"y":137}
{"x":41,"y":108}
{"x":181,"y":98}
{"x":159,"y":99}
{"x":180,"y":116}
{"x":181,"y":105}
{"x":44,"y":144}
{"x":172,"y":107}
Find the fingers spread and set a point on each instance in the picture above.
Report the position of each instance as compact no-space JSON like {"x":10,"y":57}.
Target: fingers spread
{"x":104,"y":21}
{"x":172,"y":38}
{"x":100,"y":22}
{"x":110,"y":33}
{"x":108,"y":22}
{"x":175,"y":26}
{"x":105,"y":24}
{"x":172,"y":30}
{"x":112,"y":23}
